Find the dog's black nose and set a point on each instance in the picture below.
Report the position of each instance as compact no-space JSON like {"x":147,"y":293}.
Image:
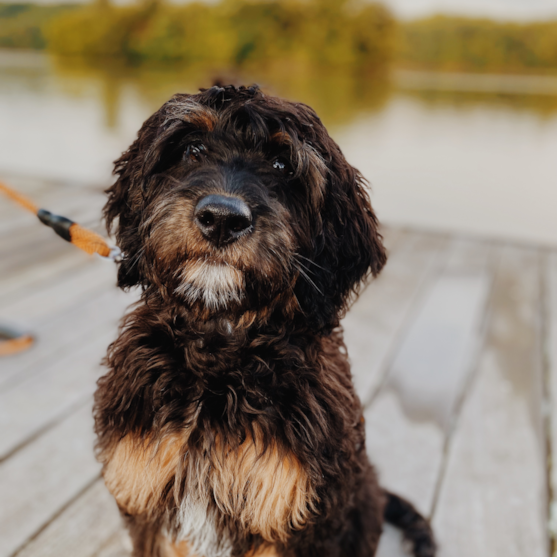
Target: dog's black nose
{"x":221,"y":219}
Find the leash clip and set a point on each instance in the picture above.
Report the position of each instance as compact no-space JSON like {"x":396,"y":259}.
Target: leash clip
{"x":114,"y":255}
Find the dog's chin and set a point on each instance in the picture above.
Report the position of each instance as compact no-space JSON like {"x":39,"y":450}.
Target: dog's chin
{"x":215,"y":286}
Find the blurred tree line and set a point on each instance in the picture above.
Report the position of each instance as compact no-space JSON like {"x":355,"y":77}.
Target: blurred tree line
{"x":478,"y":45}
{"x":230,"y":33}
{"x":353,"y":34}
{"x":22,"y":25}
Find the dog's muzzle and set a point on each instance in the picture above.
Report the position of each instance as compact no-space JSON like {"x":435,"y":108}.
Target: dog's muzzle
{"x":223,"y":220}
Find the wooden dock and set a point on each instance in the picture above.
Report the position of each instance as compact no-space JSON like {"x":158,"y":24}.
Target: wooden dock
{"x":454,"y":352}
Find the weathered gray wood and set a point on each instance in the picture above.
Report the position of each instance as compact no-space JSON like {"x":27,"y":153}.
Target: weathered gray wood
{"x":372,"y":326}
{"x":65,"y":333}
{"x":391,"y":544}
{"x":437,"y":351}
{"x":551,"y":354}
{"x":90,"y":526}
{"x":37,"y":482}
{"x":60,"y":293}
{"x":119,"y":545}
{"x":392,"y":237}
{"x":19,"y":283}
{"x":493,"y":496}
{"x":43,"y":398}
{"x":407,"y":423}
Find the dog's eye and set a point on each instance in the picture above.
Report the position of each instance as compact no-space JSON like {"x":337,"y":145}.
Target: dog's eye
{"x":194,"y":151}
{"x":282,"y":166}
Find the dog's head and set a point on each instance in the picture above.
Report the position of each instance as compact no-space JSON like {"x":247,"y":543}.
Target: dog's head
{"x":235,"y":203}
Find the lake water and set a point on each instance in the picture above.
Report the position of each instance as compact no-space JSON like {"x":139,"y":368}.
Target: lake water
{"x":460,"y":153}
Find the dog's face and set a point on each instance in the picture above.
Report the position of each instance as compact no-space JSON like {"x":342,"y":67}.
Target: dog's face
{"x":234,"y":203}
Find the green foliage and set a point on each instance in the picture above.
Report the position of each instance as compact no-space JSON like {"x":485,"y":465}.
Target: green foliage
{"x":351,"y":34}
{"x":21,"y":25}
{"x":462,"y":44}
{"x":231,"y":33}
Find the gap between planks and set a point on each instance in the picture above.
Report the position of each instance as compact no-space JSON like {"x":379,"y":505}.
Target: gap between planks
{"x":374,"y":324}
{"x":408,"y":419}
{"x":40,"y":480}
{"x":492,"y":500}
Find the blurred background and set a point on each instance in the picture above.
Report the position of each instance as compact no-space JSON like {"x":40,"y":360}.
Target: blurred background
{"x":448,"y":107}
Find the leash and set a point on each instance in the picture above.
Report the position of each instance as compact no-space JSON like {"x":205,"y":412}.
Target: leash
{"x":84,"y":239}
{"x":12,"y":342}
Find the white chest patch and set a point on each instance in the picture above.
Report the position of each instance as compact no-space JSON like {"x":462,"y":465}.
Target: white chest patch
{"x":197,"y":527}
{"x":216,"y":285}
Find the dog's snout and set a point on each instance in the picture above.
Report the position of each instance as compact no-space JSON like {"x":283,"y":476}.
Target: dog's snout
{"x":222,"y":219}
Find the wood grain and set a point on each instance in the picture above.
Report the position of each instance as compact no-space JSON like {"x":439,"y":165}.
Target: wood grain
{"x":64,"y":333}
{"x":89,"y":526}
{"x":493,"y":496}
{"x":42,"y":399}
{"x":59,"y":293}
{"x":408,"y":422}
{"x":372,"y":326}
{"x":37,"y":482}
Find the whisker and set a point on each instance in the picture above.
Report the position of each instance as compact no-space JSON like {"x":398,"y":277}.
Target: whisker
{"x":309,"y":261}
{"x":308,"y":279}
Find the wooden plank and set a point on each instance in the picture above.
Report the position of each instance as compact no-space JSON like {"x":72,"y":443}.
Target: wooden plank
{"x":551,"y":355}
{"x":39,"y":253}
{"x":392,"y":237}
{"x":42,"y":399}
{"x":372,"y":326}
{"x":56,"y":338}
{"x":118,"y":546}
{"x":408,"y":421}
{"x":37,"y":482}
{"x":60,"y":293}
{"x":391,"y":543}
{"x":493,"y":496}
{"x":90,"y":526}
{"x":21,"y":281}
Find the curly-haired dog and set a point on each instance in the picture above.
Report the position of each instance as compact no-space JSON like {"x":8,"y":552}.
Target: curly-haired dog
{"x":227,"y":423}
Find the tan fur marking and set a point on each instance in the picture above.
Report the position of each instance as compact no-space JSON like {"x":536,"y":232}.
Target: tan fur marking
{"x":192,"y":111}
{"x":172,"y":227}
{"x":282,"y":138}
{"x":175,"y":549}
{"x":207,"y":120}
{"x":182,"y":549}
{"x":138,"y":471}
{"x":265,"y":488}
{"x":267,"y":551}
{"x":268,"y":491}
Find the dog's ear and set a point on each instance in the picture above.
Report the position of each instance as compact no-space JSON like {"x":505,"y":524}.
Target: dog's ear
{"x":348,"y":247}
{"x":123,"y":209}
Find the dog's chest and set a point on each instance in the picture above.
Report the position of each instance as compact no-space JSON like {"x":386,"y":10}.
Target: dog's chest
{"x":263,"y":488}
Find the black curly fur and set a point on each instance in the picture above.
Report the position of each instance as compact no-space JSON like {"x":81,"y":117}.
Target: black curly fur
{"x":416,"y":529}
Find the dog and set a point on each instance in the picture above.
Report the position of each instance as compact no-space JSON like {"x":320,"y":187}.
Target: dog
{"x":227,"y":423}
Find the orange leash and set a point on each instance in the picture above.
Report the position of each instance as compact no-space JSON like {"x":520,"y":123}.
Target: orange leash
{"x":12,"y":342}
{"x":80,"y":237}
